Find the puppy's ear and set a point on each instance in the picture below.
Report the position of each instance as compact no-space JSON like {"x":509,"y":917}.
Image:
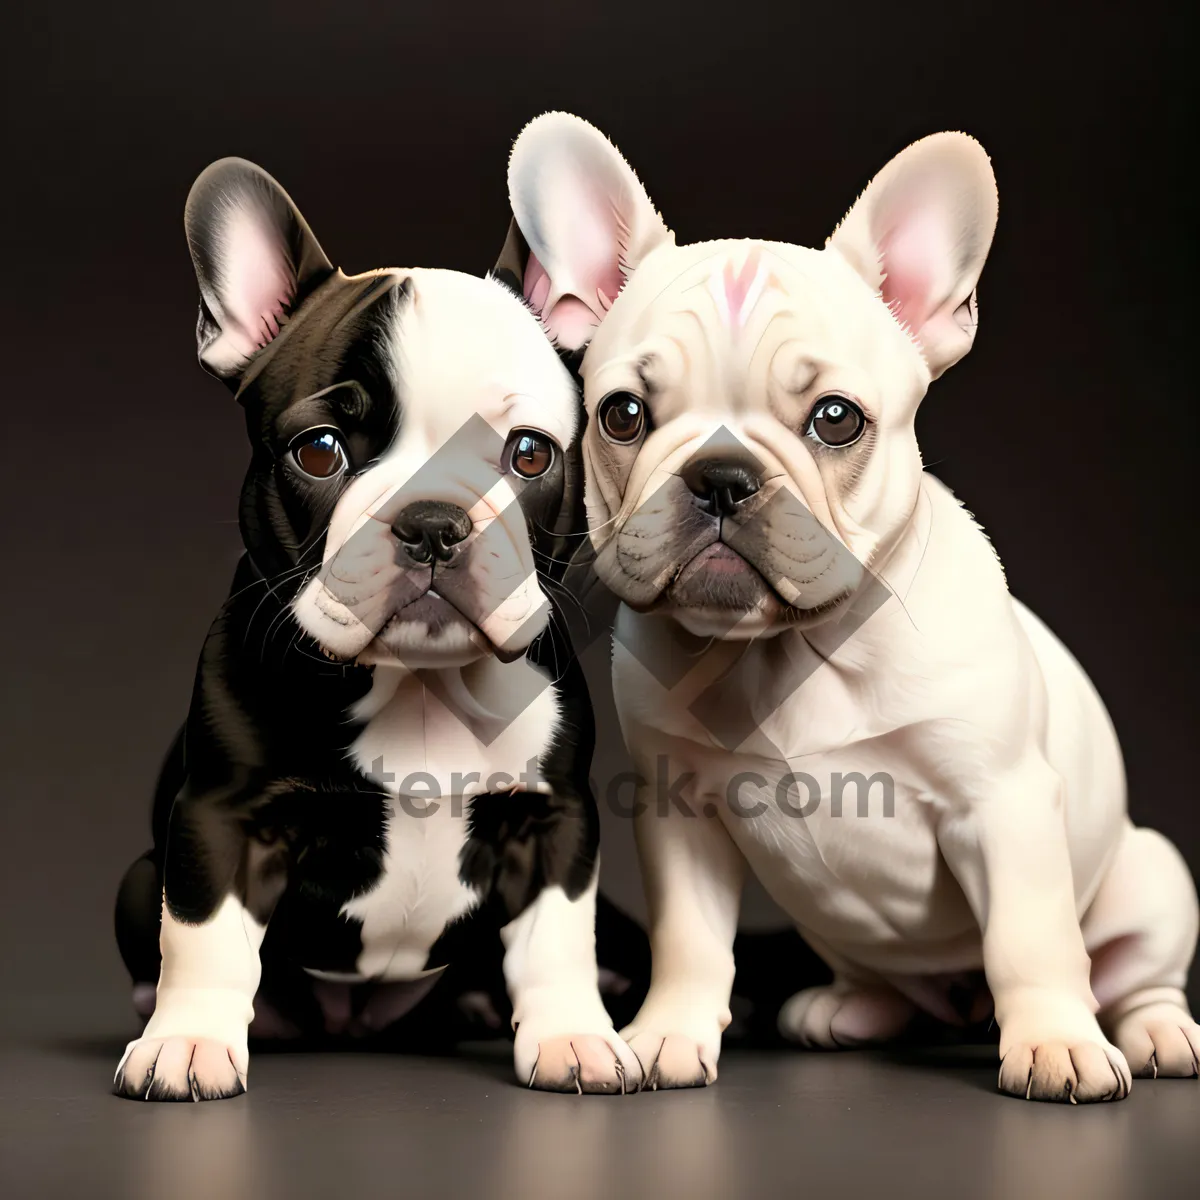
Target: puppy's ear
{"x":514,"y":259}
{"x":920,"y":234}
{"x":585,"y":221}
{"x":255,"y":260}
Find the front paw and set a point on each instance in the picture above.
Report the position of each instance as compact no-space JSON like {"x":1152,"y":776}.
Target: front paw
{"x":181,"y":1068}
{"x":1067,"y":1060}
{"x":675,"y":1048}
{"x":597,"y":1062}
{"x":674,"y":1060}
{"x":1160,"y":1040}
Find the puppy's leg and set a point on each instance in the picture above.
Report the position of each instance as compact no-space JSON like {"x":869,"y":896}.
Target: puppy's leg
{"x":1141,"y":932}
{"x":219,"y":888}
{"x":856,"y":1009}
{"x":137,"y":921}
{"x":1008,"y":850}
{"x":565,"y":1041}
{"x":693,"y":876}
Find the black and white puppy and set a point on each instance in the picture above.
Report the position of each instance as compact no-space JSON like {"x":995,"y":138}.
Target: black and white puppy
{"x":387,"y":734}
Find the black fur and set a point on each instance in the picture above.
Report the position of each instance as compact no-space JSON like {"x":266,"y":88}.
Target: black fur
{"x":257,"y":796}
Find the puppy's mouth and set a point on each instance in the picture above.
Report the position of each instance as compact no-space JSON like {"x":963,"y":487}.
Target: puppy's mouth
{"x":428,"y":629}
{"x":722,"y":587}
{"x":719,"y":578}
{"x":718,"y":561}
{"x":431,"y":610}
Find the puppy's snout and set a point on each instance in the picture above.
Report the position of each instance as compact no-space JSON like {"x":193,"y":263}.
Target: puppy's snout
{"x":429,"y":529}
{"x":721,"y":484}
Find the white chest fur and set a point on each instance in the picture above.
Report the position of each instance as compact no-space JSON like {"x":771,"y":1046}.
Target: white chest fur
{"x":434,"y":742}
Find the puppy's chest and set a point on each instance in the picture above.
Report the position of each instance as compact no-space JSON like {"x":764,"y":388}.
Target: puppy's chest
{"x":828,"y":798}
{"x":846,"y":843}
{"x":437,"y":742}
{"x":432,"y":756}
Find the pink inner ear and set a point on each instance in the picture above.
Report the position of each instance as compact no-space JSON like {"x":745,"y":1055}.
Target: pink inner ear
{"x":609,"y":281}
{"x":572,"y":318}
{"x":572,"y":322}
{"x":917,"y":260}
{"x":256,"y":285}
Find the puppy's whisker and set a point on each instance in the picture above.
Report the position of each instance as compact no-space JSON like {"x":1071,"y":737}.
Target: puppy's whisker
{"x":563,"y":593}
{"x":278,"y":621}
{"x":554,"y":623}
{"x":273,"y":582}
{"x":595,"y":528}
{"x":266,"y":581}
{"x":549,"y":558}
{"x":268,"y":595}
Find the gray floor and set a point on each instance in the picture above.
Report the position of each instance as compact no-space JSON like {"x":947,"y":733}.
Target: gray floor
{"x":358,"y":1125}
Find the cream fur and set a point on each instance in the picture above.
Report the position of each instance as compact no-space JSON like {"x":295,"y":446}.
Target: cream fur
{"x":1010,"y":848}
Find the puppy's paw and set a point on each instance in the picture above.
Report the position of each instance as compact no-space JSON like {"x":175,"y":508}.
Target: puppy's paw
{"x":1068,"y":1072}
{"x":181,"y":1068}
{"x":576,"y":1062}
{"x":1160,"y":1040}
{"x":674,"y":1060}
{"x":839,"y":1017}
{"x":677,"y":1037}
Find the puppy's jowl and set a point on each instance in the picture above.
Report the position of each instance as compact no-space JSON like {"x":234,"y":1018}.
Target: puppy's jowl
{"x":800,"y":597}
{"x":409,"y":475}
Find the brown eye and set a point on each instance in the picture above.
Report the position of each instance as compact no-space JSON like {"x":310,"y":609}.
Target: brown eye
{"x":836,"y":422}
{"x":319,"y":453}
{"x":622,"y":417}
{"x":532,"y":455}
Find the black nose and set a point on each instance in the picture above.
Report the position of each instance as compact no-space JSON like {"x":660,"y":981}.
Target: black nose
{"x":430,"y":529}
{"x":721,"y":484}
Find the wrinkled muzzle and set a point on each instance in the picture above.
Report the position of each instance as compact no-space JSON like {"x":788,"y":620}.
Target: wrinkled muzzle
{"x":717,"y":526}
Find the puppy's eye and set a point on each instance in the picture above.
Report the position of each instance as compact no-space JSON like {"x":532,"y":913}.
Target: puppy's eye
{"x":622,"y":417}
{"x":532,"y":454}
{"x":319,"y":453}
{"x":836,"y":422}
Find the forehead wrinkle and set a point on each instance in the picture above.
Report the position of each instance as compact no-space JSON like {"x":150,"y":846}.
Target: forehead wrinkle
{"x":645,"y":367}
{"x":806,"y":369}
{"x":649,"y":365}
{"x":780,"y":391}
{"x":681,"y":346}
{"x":725,"y":362}
{"x":666,"y":287}
{"x":778,"y":314}
{"x":669,"y":284}
{"x":657,"y":373}
{"x":707,"y":342}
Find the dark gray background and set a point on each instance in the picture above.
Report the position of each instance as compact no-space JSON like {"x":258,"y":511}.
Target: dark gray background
{"x":1069,"y":431}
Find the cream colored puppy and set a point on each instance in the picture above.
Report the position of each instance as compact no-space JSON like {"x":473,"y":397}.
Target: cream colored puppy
{"x":806,"y":609}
